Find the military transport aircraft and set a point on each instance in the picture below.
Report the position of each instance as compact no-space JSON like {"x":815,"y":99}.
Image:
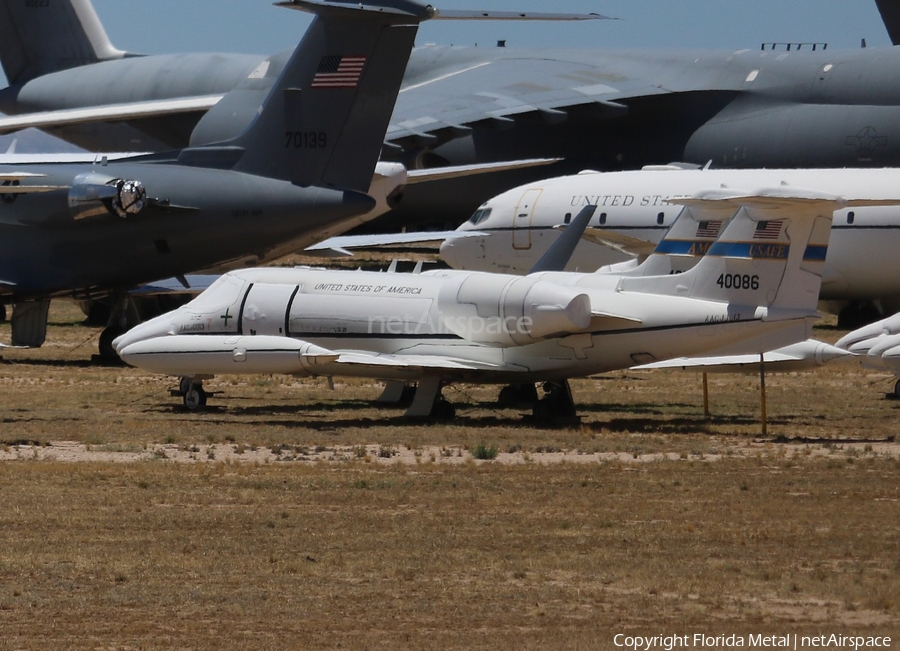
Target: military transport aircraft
{"x":784,"y":105}
{"x":758,"y":284}
{"x":300,"y":169}
{"x":509,"y":232}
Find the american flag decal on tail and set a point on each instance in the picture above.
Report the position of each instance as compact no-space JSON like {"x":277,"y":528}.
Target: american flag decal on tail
{"x":709,"y":230}
{"x":769,"y":230}
{"x":339,"y":72}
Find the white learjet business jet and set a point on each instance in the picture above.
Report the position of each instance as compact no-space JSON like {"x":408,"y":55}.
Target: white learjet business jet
{"x":758,"y":283}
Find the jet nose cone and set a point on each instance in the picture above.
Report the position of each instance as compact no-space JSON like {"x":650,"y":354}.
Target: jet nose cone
{"x":460,"y":252}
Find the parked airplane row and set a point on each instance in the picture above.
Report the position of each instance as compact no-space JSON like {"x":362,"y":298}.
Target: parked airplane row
{"x":298,"y":171}
{"x":85,"y":229}
{"x":595,"y":109}
{"x":456,"y":105}
{"x":510,"y":232}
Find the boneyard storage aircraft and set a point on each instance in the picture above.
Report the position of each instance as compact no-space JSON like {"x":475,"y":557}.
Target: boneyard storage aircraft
{"x":302,"y":167}
{"x":600,"y":109}
{"x":299,"y":171}
{"x":511,"y":231}
{"x":759,"y":282}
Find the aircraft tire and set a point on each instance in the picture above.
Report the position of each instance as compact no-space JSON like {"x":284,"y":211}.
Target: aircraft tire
{"x":443,"y":410}
{"x":184,"y":385}
{"x":105,"y":345}
{"x":195,"y":398}
{"x":897,"y":389}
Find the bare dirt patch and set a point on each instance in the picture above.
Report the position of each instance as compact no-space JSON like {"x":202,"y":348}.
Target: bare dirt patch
{"x":293,"y":516}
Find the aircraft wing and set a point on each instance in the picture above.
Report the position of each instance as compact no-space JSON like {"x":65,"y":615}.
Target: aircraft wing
{"x":108,"y":113}
{"x":342,"y":244}
{"x":802,"y":356}
{"x":411,"y":362}
{"x":449,"y":92}
{"x":10,"y":183}
{"x":631,"y":246}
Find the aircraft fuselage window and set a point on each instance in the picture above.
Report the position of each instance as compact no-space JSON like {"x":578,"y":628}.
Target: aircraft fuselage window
{"x":568,"y":218}
{"x":851,"y":216}
{"x":602,"y":218}
{"x":660,"y":218}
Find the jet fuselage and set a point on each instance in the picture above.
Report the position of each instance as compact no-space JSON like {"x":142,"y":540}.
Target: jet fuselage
{"x":62,"y":242}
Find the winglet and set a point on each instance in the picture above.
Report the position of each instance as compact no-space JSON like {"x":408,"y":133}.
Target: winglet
{"x":560,"y":252}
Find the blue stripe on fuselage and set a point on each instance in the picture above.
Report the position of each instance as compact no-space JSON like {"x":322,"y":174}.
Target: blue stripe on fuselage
{"x":751,"y":250}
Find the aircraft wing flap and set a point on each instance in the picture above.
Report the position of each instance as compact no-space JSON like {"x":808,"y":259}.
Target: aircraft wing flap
{"x":107,"y":113}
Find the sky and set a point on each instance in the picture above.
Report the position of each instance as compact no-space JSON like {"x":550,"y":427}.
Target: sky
{"x":258,"y":27}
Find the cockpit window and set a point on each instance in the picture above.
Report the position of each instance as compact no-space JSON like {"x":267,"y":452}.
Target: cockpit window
{"x":480,"y":215}
{"x":222,"y":293}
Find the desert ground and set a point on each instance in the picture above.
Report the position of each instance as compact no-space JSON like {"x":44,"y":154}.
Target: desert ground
{"x":293,"y":515}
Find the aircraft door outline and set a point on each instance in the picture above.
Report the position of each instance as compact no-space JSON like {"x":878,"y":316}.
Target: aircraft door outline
{"x":521,"y":230}
{"x":264,"y":309}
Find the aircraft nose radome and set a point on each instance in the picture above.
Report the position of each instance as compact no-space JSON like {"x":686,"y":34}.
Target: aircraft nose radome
{"x":458,"y":253}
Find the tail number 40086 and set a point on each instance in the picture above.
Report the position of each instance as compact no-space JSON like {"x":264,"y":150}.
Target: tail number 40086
{"x":738,"y":281}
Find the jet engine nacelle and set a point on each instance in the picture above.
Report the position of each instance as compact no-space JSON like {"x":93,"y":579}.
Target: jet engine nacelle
{"x":95,"y":195}
{"x":511,"y":311}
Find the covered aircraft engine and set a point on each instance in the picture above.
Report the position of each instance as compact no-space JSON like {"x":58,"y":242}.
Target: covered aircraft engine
{"x":506,"y":311}
{"x":97,"y":195}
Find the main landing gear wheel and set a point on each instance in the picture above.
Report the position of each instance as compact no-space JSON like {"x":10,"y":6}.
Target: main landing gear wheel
{"x":557,"y":405}
{"x":195,"y":397}
{"x":443,"y":410}
{"x":897,"y":390}
{"x":105,"y":346}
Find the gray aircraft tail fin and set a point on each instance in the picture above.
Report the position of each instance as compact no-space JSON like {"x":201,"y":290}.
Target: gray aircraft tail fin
{"x":323,"y":123}
{"x":43,"y":36}
{"x":890,"y":16}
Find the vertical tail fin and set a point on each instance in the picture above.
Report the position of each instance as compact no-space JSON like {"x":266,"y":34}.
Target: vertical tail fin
{"x":772,"y":254}
{"x":689,"y":238}
{"x":323,"y":123}
{"x":890,"y":16}
{"x":46,"y":36}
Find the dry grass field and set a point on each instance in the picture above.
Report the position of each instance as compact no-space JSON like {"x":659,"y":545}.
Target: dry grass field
{"x":291,"y":516}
